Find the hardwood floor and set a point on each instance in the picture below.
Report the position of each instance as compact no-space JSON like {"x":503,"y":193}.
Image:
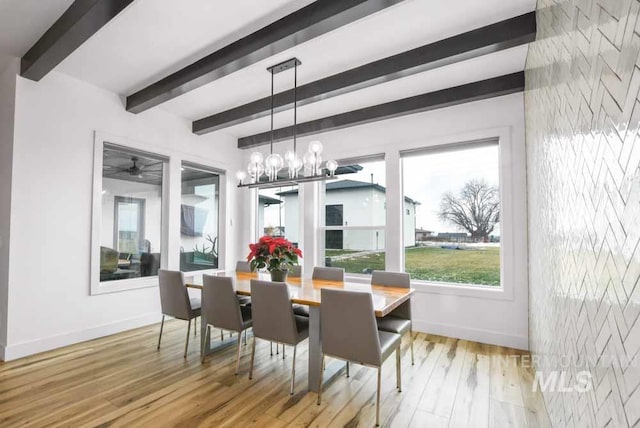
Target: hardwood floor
{"x":122,"y":380}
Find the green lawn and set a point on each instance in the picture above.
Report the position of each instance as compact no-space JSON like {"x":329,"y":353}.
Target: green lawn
{"x":332,"y":253}
{"x":470,"y":266}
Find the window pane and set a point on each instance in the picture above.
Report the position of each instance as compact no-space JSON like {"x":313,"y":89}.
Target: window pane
{"x":457,"y":229}
{"x":278,"y":213}
{"x":131,"y":228}
{"x":355,"y":211}
{"x":199,"y":220}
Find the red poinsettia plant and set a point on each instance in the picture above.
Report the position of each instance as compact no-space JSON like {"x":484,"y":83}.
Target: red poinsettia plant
{"x":273,"y":253}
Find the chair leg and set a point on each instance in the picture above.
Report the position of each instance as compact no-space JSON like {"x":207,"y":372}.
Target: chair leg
{"x":282,"y":351}
{"x":207,"y":336}
{"x":186,"y":345}
{"x":160,"y":337}
{"x":271,"y":346}
{"x":398,"y":371}
{"x":347,"y":368}
{"x":293,"y":369}
{"x":253,"y":353}
{"x":239,"y":348}
{"x":195,"y":326}
{"x":378,"y":397}
{"x":221,"y":334}
{"x":320,"y":381}
{"x":245,"y":337}
{"x":411,"y":343}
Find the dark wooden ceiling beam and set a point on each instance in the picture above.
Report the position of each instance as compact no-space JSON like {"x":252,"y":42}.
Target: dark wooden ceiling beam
{"x":313,"y":20}
{"x":76,"y":25}
{"x":491,"y":38}
{"x":475,"y":91}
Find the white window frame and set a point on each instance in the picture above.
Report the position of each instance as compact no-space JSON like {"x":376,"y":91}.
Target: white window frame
{"x":98,"y":287}
{"x":221,"y":194}
{"x":513,"y":254}
{"x":512,"y":215}
{"x":171,"y":198}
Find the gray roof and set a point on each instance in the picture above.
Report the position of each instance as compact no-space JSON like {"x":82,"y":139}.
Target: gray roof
{"x":349,"y":185}
{"x":268,"y":200}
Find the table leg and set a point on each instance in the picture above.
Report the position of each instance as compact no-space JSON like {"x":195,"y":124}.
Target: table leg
{"x":315,"y":348}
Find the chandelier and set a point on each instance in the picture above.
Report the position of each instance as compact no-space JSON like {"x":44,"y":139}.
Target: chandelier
{"x":266,"y":172}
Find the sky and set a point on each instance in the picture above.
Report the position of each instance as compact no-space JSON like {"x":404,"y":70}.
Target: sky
{"x":426,"y":178}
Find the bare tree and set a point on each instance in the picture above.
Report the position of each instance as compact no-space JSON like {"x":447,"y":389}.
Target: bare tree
{"x":475,"y":209}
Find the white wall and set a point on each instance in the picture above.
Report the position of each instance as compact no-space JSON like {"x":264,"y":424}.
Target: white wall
{"x":474,"y":313}
{"x":49,"y":271}
{"x":7,"y":105}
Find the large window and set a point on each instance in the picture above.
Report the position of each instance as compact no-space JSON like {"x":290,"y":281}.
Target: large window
{"x":278,"y":212}
{"x":455,"y":228}
{"x":199,"y":212}
{"x":131,"y":214}
{"x":355,"y":216}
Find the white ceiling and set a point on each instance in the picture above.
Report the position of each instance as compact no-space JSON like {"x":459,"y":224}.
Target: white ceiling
{"x":152,"y":38}
{"x":22,"y":22}
{"x":405,"y":26}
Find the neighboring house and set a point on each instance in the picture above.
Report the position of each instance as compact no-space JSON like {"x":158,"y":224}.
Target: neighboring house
{"x":265,"y":201}
{"x":453,"y":236}
{"x":423,"y":235}
{"x":353,"y":204}
{"x":273,"y":231}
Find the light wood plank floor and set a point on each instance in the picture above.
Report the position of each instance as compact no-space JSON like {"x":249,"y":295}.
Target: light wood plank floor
{"x":122,"y":380}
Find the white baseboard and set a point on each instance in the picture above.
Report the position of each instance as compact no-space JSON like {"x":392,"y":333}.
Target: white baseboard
{"x":476,"y":335}
{"x":19,"y":350}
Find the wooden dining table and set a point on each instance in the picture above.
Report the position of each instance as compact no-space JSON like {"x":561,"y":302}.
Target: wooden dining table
{"x":306,"y":291}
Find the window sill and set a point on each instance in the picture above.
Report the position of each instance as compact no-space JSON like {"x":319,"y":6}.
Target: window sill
{"x":467,"y":290}
{"x":448,"y":288}
{"x":124,"y":285}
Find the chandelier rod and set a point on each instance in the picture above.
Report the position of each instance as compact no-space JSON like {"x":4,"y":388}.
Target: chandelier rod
{"x":295,"y":103}
{"x":271,"y":147}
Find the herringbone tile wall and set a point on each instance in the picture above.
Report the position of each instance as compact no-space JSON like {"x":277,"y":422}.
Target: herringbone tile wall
{"x":582,"y":113}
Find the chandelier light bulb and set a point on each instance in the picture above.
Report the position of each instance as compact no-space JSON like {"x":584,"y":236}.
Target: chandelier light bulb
{"x":241,"y":175}
{"x":309,"y":160}
{"x":273,"y":164}
{"x":315,"y":147}
{"x":289,"y":156}
{"x":332,"y":166}
{"x":295,"y":164}
{"x":256,"y":157}
{"x":274,"y":161}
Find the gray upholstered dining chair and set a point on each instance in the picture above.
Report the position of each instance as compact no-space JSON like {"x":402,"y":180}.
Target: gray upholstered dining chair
{"x":175,"y":301}
{"x":399,"y":320}
{"x":296,"y":271}
{"x":349,"y":332}
{"x":322,"y":273}
{"x":242,"y":266}
{"x":273,"y":319}
{"x":302,"y":310}
{"x":222,"y":310}
{"x":328,"y":273}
